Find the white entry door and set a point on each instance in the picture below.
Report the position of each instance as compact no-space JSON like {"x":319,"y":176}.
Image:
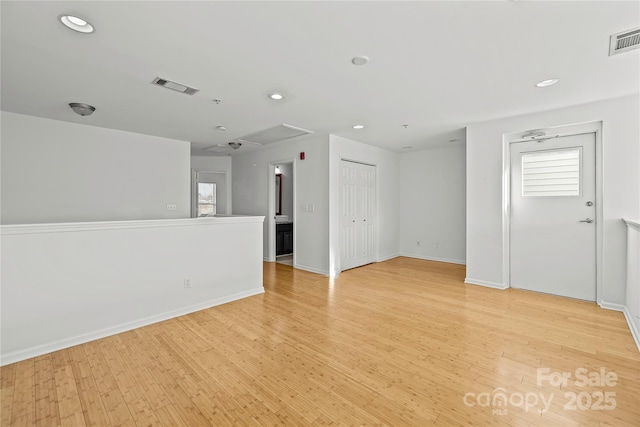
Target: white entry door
{"x":553,"y":216}
{"x":357,"y":214}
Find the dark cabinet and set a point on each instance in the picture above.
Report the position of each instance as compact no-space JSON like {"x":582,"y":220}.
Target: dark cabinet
{"x":284,"y":239}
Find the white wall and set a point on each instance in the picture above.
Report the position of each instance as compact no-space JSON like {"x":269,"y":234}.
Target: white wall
{"x":54,"y":171}
{"x":251,"y":178}
{"x":433,"y":204}
{"x":287,"y":189}
{"x":621,"y":168}
{"x":64,"y":284}
{"x":217,"y":164}
{"x":211,"y":163}
{"x":632,"y":309}
{"x":388,"y":199}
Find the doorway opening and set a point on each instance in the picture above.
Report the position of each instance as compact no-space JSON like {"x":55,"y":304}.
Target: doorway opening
{"x":281,"y":220}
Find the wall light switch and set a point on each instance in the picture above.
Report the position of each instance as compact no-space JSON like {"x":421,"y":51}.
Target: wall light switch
{"x":303,"y":208}
{"x":310,"y":207}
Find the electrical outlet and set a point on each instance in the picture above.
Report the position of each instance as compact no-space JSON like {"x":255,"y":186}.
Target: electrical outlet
{"x":435,"y":245}
{"x":187,"y":283}
{"x":418,"y":243}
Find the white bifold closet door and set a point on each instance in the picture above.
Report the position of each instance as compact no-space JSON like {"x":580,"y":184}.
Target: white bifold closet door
{"x":357,"y":214}
{"x":553,"y":216}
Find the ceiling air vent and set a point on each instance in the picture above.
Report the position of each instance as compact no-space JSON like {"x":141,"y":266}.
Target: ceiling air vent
{"x":178,"y":87}
{"x":625,"y":41}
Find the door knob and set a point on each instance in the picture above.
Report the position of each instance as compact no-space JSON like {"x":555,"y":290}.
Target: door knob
{"x":588,"y":220}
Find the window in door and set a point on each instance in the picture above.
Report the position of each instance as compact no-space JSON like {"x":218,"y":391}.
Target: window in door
{"x":551,"y":173}
{"x":206,"y":199}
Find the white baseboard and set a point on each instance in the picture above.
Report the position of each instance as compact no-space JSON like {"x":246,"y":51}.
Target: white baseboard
{"x":311,"y":269}
{"x":486,"y":283}
{"x":388,"y":257}
{"x":17,"y":356}
{"x":432,"y":258}
{"x":635,"y":333}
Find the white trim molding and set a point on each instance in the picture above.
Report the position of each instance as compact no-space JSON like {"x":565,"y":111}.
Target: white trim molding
{"x":486,"y":283}
{"x":433,"y":258}
{"x":121,"y":225}
{"x":388,"y":257}
{"x":311,"y":269}
{"x":39,"y":350}
{"x":635,"y":333}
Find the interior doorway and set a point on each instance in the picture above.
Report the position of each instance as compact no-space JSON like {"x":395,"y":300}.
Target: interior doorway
{"x":281,"y":220}
{"x":554,"y":207}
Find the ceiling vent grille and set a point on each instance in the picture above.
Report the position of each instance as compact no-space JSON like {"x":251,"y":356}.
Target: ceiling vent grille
{"x":178,"y":87}
{"x":625,"y":41}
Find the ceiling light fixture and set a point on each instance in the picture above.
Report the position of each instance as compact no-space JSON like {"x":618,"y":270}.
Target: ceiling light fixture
{"x":82,"y":109}
{"x":76,"y":24}
{"x":221,"y":128}
{"x":276,"y":96}
{"x":358,"y":126}
{"x":548,"y":82}
{"x":360,"y":60}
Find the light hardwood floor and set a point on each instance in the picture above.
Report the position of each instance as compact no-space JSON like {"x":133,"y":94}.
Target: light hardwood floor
{"x":400,"y":343}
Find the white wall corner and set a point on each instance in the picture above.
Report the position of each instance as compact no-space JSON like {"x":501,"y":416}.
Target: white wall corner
{"x":486,"y":283}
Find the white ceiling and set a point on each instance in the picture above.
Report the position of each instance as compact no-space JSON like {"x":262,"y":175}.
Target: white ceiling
{"x":436,"y":66}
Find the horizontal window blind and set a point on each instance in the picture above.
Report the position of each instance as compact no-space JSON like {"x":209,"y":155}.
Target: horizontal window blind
{"x":551,"y":173}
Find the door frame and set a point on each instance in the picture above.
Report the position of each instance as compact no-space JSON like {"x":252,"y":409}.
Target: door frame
{"x":339,"y":267}
{"x":270,"y":219}
{"x":553,"y":132}
{"x":194,"y":179}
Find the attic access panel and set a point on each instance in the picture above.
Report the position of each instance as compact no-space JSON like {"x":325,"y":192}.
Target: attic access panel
{"x":274,"y":134}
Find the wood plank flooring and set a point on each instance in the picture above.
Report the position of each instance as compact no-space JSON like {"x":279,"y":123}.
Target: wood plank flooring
{"x":400,"y":343}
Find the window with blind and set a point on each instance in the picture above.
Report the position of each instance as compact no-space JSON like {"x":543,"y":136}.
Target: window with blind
{"x":553,"y":173}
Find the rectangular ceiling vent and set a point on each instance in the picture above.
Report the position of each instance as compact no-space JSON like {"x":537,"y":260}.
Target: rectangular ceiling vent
{"x":178,"y":87}
{"x":625,"y":41}
{"x":274,"y":134}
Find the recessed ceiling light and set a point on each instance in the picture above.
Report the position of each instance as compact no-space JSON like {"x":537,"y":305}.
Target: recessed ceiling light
{"x":76,"y":24}
{"x":548,"y":82}
{"x":359,"y":60}
{"x":358,"y":126}
{"x":276,"y":96}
